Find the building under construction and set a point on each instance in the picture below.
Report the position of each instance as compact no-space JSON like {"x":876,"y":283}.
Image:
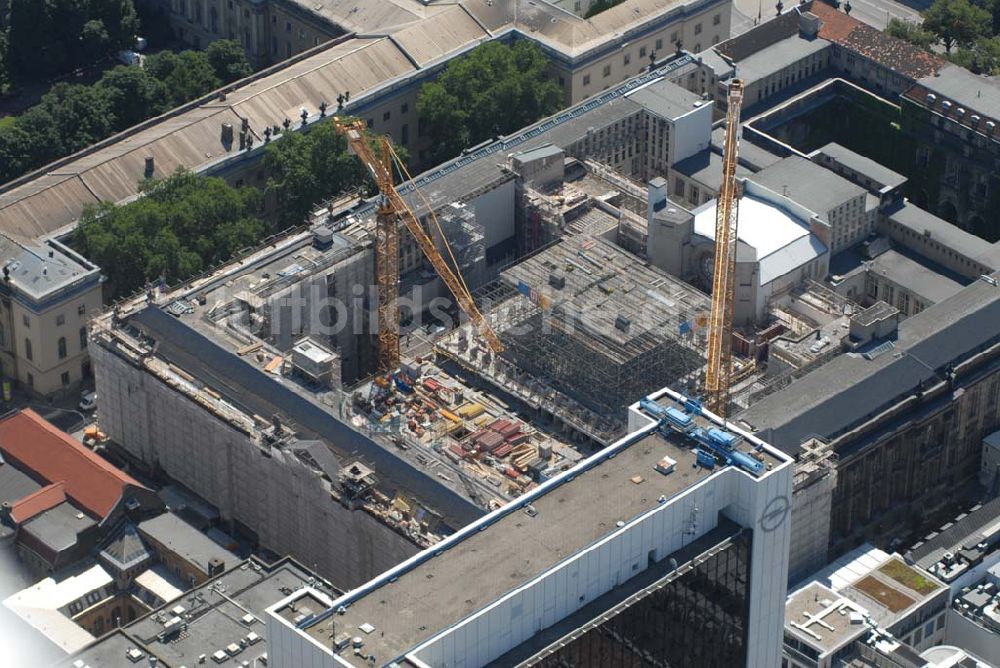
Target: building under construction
{"x":588,"y":328}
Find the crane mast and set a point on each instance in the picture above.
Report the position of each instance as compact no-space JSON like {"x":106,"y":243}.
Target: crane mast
{"x":720,"y":334}
{"x":390,"y":206}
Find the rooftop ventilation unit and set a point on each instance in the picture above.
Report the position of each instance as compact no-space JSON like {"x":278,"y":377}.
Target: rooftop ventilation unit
{"x":931,"y":98}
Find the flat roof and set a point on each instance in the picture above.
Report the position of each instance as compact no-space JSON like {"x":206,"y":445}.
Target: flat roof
{"x":180,"y":537}
{"x":777,"y":57}
{"x":222,"y":612}
{"x":40,"y":605}
{"x":925,"y":224}
{"x":844,"y":391}
{"x":822,"y":618}
{"x":469,"y":575}
{"x":58,"y":527}
{"x":878,"y":173}
{"x":915,"y":275}
{"x":705,"y":167}
{"x":667,"y":100}
{"x":806,"y":183}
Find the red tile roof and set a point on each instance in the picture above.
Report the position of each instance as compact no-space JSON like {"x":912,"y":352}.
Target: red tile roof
{"x":850,"y":33}
{"x":89,"y":481}
{"x":37,"y":502}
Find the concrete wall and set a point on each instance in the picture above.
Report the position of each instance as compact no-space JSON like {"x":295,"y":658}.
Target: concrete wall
{"x":692,"y":133}
{"x":287,"y":504}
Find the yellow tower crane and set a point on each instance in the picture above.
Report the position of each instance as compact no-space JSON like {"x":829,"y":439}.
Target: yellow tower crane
{"x":379,"y":157}
{"x":718,"y":376}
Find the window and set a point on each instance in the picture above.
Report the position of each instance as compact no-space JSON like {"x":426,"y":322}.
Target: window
{"x":404,"y":134}
{"x":697,"y":47}
{"x":60,"y":320}
{"x":586,"y":79}
{"x":717,"y":19}
{"x":83,"y":338}
{"x":697,"y":28}
{"x":27,"y":350}
{"x":288,"y":26}
{"x":81,"y":309}
{"x":404,"y":108}
{"x":679,"y":188}
{"x":274,"y":19}
{"x":302,"y":33}
{"x":695,"y":194}
{"x":31,"y":380}
{"x":607,"y":71}
{"x":288,"y":49}
{"x":371,"y":122}
{"x":628,"y":59}
{"x":386,"y":116}
{"x":26,"y":321}
{"x":64,"y":378}
{"x":316,"y":40}
{"x":642,"y":52}
{"x":62,"y":347}
{"x":659,"y":44}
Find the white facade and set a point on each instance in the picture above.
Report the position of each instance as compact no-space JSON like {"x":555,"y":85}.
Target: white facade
{"x":761,"y":504}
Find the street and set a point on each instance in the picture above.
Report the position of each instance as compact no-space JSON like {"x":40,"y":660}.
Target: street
{"x":875,"y":13}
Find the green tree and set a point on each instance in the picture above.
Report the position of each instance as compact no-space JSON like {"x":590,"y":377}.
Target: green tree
{"x":957,"y":22}
{"x":187,"y":75}
{"x":82,"y":115}
{"x":911,"y":32}
{"x":94,"y":40}
{"x":16,"y":151}
{"x":494,"y":90}
{"x":182,"y":225}
{"x":983,"y":57}
{"x":228,"y":59}
{"x":48,"y":37}
{"x":600,"y":6}
{"x":5,"y":82}
{"x":135,"y":95}
{"x":306,"y":168}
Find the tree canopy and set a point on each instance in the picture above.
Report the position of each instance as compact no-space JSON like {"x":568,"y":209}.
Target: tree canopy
{"x":49,"y":37}
{"x":494,"y":90}
{"x":957,"y":22}
{"x":72,"y":116}
{"x":182,"y":225}
{"x":911,"y":32}
{"x":306,"y":168}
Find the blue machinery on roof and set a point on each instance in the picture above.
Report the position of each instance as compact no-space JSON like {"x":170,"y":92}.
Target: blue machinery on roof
{"x":714,"y":445}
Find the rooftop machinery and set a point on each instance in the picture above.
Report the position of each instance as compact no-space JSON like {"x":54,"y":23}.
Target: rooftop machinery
{"x":718,"y":376}
{"x":713,"y":445}
{"x":377,"y":154}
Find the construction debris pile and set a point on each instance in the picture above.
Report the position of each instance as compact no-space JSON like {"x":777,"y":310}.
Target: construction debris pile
{"x":458,"y":431}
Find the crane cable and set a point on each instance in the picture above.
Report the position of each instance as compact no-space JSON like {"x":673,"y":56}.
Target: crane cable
{"x":430,"y":210}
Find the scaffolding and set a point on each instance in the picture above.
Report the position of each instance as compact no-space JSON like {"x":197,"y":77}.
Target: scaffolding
{"x":596,"y":327}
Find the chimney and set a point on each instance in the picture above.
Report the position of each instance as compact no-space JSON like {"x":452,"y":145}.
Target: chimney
{"x":809,"y":25}
{"x":657,"y":191}
{"x":149,"y":166}
{"x":227,"y":135}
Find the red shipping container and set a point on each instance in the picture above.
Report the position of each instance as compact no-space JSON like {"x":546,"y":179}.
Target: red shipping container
{"x":502,"y":451}
{"x":499,"y":425}
{"x":432,"y":385}
{"x":510,"y":428}
{"x":489,"y":441}
{"x":512,"y":472}
{"x":517,"y":439}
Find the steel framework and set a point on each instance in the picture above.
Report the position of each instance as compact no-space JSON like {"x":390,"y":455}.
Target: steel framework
{"x":720,"y":334}
{"x":391,"y":204}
